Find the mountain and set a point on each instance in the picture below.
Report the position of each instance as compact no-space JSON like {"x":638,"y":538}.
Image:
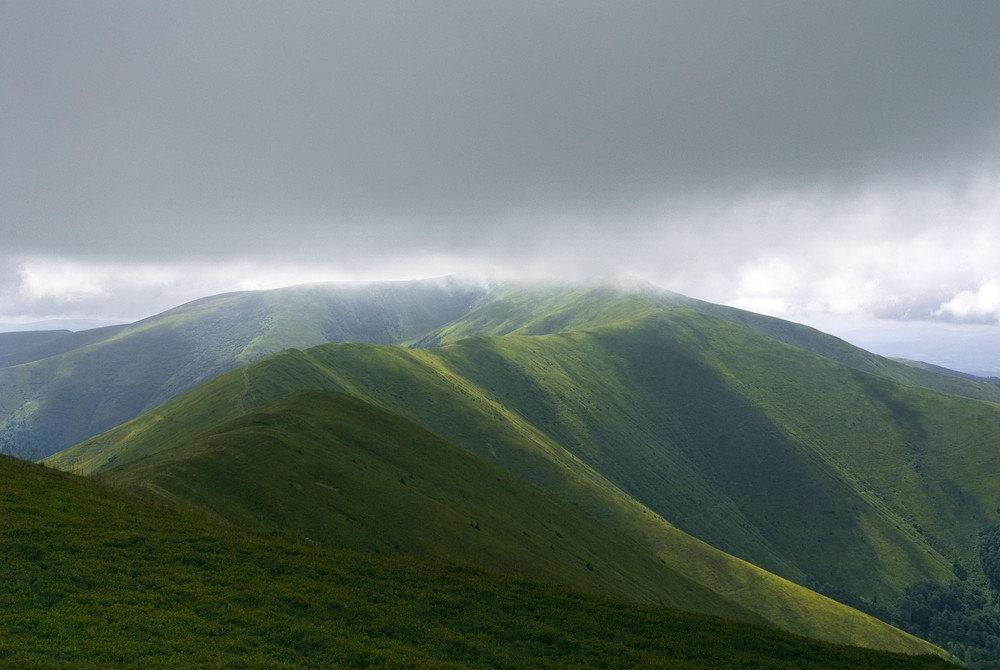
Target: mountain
{"x":806,"y":467}
{"x":678,"y":430}
{"x":754,"y":446}
{"x":345,"y":473}
{"x":58,"y":390}
{"x":96,"y":578}
{"x":27,"y":346}
{"x":939,"y":369}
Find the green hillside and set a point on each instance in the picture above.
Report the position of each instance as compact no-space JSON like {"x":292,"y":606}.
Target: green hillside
{"x":543,"y":310}
{"x":18,"y":348}
{"x":585,"y":417}
{"x":347,"y":474}
{"x":58,"y":390}
{"x":661,"y":418}
{"x":803,"y":466}
{"x":828,"y":346}
{"x":23,"y":347}
{"x":95,"y":579}
{"x":66,"y":389}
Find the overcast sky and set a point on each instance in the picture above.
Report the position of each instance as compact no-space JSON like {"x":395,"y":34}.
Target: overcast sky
{"x":795,"y":158}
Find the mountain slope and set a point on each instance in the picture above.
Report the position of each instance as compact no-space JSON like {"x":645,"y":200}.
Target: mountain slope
{"x":72,"y":387}
{"x":540,"y":310}
{"x":658,"y":411}
{"x":26,"y":346}
{"x":612,"y":420}
{"x":56,"y":391}
{"x":142,"y":587}
{"x":811,"y":469}
{"x":348,"y":474}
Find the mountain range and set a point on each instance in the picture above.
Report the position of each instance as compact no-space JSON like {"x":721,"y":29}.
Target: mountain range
{"x":58,"y":388}
{"x":625,"y":441}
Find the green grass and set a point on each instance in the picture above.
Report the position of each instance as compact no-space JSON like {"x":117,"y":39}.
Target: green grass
{"x":95,"y":578}
{"x":347,"y":474}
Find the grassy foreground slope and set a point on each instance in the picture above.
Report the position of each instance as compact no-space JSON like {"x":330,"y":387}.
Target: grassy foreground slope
{"x":431,"y":386}
{"x":96,"y":579}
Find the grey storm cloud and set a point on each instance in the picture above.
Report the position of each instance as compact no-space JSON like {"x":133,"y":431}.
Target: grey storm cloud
{"x":190,"y":127}
{"x":722,"y":140}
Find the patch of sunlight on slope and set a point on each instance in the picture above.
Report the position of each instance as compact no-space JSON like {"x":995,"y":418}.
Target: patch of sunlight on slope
{"x":524,"y":310}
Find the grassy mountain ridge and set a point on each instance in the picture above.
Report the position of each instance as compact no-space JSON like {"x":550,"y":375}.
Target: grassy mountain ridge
{"x":17,"y":348}
{"x":542,"y":310}
{"x":608,"y":401}
{"x":573,"y":391}
{"x":58,"y":391}
{"x":316,"y":462}
{"x":558,"y":411}
{"x":815,"y":341}
{"x":95,"y":380}
{"x":96,"y":578}
{"x":926,"y":458}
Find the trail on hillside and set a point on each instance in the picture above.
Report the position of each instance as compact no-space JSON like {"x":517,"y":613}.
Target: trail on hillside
{"x":241,"y":398}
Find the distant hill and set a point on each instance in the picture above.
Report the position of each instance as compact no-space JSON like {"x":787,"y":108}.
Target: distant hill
{"x":95,"y":578}
{"x":58,"y":390}
{"x":946,"y":371}
{"x":64,"y":389}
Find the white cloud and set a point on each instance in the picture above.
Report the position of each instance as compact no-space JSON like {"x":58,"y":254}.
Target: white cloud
{"x":893,"y":252}
{"x":979,"y":305}
{"x":43,"y":288}
{"x":922,"y":252}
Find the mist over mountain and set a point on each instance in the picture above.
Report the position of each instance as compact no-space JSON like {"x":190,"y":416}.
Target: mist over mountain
{"x":265,"y":442}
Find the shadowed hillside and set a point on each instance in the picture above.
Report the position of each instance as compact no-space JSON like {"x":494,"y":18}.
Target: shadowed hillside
{"x":94,"y":578}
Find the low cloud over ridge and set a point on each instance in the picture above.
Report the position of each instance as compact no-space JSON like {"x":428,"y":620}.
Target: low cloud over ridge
{"x":793,"y":158}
